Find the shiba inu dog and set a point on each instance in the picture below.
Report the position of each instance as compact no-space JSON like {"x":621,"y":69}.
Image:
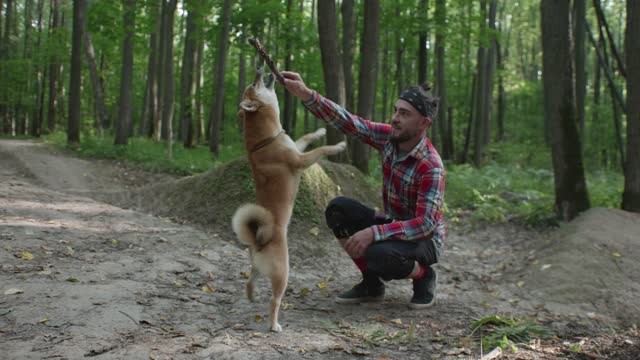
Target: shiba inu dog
{"x":276,"y":163}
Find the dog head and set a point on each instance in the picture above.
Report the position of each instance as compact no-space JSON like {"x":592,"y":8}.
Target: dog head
{"x":260,"y":93}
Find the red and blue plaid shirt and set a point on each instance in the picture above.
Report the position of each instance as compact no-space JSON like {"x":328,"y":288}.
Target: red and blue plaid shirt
{"x":412,"y":184}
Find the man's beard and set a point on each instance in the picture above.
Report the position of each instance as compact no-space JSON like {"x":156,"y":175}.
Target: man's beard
{"x":401,"y":137}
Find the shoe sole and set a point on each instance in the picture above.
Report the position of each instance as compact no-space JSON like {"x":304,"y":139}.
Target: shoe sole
{"x":422,"y":306}
{"x":360,"y":300}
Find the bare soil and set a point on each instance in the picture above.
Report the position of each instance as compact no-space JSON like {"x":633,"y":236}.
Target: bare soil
{"x":102,"y":259}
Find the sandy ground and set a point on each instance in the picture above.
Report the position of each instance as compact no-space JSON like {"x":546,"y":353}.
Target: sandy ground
{"x":81,"y":277}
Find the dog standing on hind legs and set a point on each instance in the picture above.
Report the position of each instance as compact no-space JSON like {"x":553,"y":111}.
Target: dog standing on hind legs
{"x":276,"y":164}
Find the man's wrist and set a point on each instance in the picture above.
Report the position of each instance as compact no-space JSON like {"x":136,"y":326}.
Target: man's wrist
{"x":307,"y":96}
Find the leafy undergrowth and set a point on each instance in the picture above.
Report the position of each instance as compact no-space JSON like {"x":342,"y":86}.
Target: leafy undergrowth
{"x":150,"y":155}
{"x":517,"y":184}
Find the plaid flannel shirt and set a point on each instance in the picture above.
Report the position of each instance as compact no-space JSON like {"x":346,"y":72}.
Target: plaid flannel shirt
{"x":412,"y":184}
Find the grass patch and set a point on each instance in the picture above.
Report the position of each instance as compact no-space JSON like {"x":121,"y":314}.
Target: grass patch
{"x":502,"y":332}
{"x":149,"y":154}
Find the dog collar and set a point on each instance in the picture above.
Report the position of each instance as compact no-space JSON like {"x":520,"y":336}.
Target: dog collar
{"x":266,"y":142}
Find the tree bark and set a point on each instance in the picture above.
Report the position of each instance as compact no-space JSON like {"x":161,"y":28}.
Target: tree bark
{"x":150,"y":115}
{"x":36,"y":124}
{"x":423,"y":56}
{"x":289,"y":100}
{"x":102,"y":116}
{"x":187,"y":80}
{"x":602,"y":20}
{"x":631,"y":194}
{"x":217,"y":108}
{"x":579,"y":9}
{"x":478,"y":153}
{"x":200,"y":131}
{"x":441,"y":88}
{"x":331,"y":65}
{"x":125,"y":104}
{"x":75,"y":96}
{"x":367,"y":78}
{"x":168,"y":83}
{"x":53,"y":69}
{"x":349,"y":21}
{"x":560,"y":108}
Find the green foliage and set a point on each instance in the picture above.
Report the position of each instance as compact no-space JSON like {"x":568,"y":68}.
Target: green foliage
{"x":149,"y":154}
{"x":507,"y":332}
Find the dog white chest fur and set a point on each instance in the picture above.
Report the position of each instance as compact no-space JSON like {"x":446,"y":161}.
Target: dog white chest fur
{"x":276,"y":163}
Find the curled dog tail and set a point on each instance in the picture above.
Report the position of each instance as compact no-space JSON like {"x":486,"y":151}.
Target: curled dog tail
{"x":253,"y":224}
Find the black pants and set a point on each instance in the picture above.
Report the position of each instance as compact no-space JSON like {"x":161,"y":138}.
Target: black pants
{"x":388,"y":259}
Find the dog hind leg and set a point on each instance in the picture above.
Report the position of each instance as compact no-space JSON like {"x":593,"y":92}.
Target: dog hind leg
{"x":278,"y":286}
{"x":307,"y":139}
{"x":251,"y":283}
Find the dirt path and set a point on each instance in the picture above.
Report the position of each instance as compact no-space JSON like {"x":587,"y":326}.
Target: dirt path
{"x":82,"y":278}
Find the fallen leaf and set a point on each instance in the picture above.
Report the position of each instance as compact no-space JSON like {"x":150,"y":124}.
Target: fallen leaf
{"x":208,"y":289}
{"x":396,"y":321}
{"x":203,"y":253}
{"x":322,"y":284}
{"x":520,"y":283}
{"x":178,"y":283}
{"x":72,"y":279}
{"x":13,"y":291}
{"x":244,"y":274}
{"x":44,"y":320}
{"x":25,"y":255}
{"x":314,"y":231}
{"x":115,"y":241}
{"x":545,"y":267}
{"x":616,"y":254}
{"x":69,"y":251}
{"x":259,"y":318}
{"x":304,"y":292}
{"x":44,"y":272}
{"x":486,"y":304}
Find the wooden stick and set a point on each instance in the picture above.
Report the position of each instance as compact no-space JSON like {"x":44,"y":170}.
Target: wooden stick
{"x":263,"y":54}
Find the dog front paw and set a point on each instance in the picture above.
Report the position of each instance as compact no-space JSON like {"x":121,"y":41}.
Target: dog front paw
{"x":276,"y":327}
{"x":320,"y":133}
{"x":341,"y":146}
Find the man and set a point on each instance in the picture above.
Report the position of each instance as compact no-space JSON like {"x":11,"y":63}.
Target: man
{"x":408,"y":238}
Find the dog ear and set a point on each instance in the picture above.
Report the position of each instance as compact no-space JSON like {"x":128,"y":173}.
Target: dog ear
{"x":249,"y":105}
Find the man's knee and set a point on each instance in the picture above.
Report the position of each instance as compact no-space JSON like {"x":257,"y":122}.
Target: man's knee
{"x":346,"y":216}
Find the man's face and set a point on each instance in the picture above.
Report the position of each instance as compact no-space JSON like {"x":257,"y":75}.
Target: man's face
{"x":407,"y":123}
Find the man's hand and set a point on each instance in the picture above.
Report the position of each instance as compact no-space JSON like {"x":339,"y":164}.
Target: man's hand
{"x":293,"y":82}
{"x":359,"y":242}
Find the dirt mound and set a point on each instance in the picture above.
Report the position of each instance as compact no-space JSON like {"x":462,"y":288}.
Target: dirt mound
{"x":210,"y":199}
{"x":590,"y":267}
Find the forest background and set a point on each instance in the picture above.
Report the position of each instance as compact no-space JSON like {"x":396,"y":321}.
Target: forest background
{"x":538,"y":99}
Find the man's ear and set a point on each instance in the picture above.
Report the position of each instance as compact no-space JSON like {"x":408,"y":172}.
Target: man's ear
{"x":249,"y":105}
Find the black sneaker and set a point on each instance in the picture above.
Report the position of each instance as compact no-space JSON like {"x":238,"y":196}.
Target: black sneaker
{"x":424,"y":290}
{"x":362,"y":293}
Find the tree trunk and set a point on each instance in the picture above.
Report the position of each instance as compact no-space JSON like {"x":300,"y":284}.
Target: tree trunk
{"x":385,"y":78}
{"x":367,"y":78}
{"x":631,"y":194}
{"x":423,"y":59}
{"x":467,"y":137}
{"x":478,"y":153}
{"x":487,"y":93}
{"x":125,"y":104}
{"x":441,"y":84}
{"x":150,"y":115}
{"x":75,"y":96}
{"x":579,"y":9}
{"x":36,"y":124}
{"x":349,"y":21}
{"x":602,"y":20}
{"x":168,"y":83}
{"x":53,"y":69}
{"x":331,"y":65}
{"x":187,"y":80}
{"x":289,"y":100}
{"x":101,"y":114}
{"x":560,"y":109}
{"x":217,"y":108}
{"x":399,"y":53}
{"x":200,"y":131}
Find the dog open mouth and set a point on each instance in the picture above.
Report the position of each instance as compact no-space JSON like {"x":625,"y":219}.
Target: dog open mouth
{"x":269,"y":80}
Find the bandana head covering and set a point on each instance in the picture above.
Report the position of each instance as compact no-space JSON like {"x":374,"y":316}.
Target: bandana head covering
{"x":421,"y":100}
